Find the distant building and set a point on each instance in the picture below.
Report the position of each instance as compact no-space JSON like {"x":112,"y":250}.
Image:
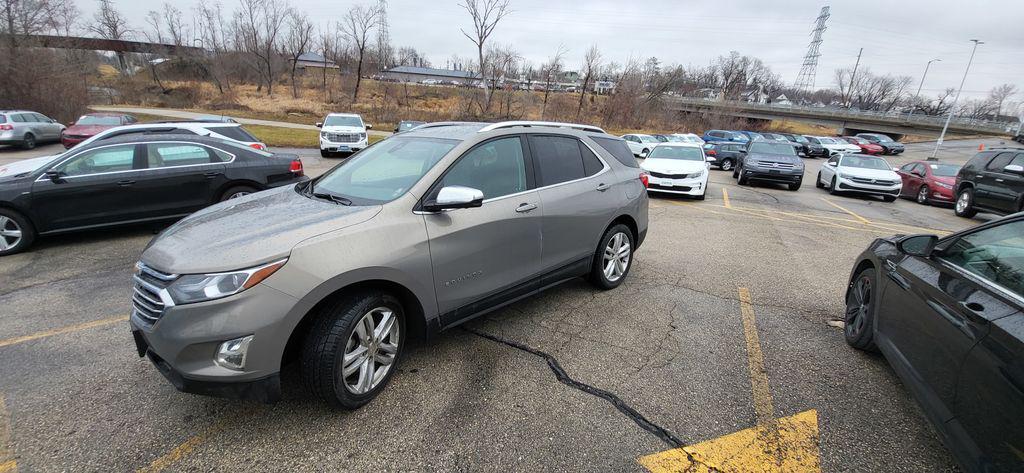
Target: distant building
{"x":420,"y":74}
{"x":603,"y":87}
{"x":314,"y":60}
{"x":569,"y":76}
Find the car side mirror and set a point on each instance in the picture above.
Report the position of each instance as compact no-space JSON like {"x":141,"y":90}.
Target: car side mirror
{"x":369,"y":126}
{"x":319,"y":124}
{"x":917,"y":245}
{"x":455,"y":197}
{"x":53,"y":176}
{"x":70,"y":124}
{"x":1014,"y":169}
{"x":832,"y":164}
{"x":709,"y":159}
{"x":741,"y":151}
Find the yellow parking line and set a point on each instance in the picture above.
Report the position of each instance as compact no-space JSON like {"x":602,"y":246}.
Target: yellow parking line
{"x":844,"y":209}
{"x":7,"y":462}
{"x":172,"y":457}
{"x":725,"y":198}
{"x":60,"y":331}
{"x":763,"y":408}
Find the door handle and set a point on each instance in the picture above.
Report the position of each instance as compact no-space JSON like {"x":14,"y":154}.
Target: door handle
{"x":125,"y":183}
{"x":999,"y":180}
{"x":603,"y":187}
{"x":979,"y":176}
{"x":525,"y":207}
{"x":213,"y":174}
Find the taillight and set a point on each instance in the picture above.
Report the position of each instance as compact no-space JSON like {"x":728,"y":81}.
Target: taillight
{"x":6,"y":127}
{"x":711,"y":152}
{"x":645,"y":179}
{"x":259,"y":146}
{"x":296,"y":168}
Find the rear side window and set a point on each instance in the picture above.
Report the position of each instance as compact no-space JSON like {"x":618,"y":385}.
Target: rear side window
{"x":178,"y":154}
{"x":3,"y":119}
{"x":236,"y":133}
{"x":557,"y":158}
{"x":618,"y":149}
{"x":591,"y":164}
{"x":18,"y":118}
{"x":999,"y":162}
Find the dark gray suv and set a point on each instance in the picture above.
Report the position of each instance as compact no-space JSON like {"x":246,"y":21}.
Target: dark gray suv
{"x":770,"y":161}
{"x":416,"y":234}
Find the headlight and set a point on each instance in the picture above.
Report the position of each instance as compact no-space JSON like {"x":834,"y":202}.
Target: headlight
{"x":323,"y":134}
{"x":844,"y":176}
{"x":696,"y":174}
{"x":944,"y":185}
{"x":750,"y":163}
{"x":362,"y":136}
{"x":192,"y":288}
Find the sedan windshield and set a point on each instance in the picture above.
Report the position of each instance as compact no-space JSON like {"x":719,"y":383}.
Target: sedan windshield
{"x":98,"y":120}
{"x":339,"y":120}
{"x":385,"y":171}
{"x":682,"y":153}
{"x":944,"y":170}
{"x":865,"y":162}
{"x":772,"y":148}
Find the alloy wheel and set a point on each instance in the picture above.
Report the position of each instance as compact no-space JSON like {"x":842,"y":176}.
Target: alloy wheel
{"x":238,"y":194}
{"x":616,"y":257}
{"x":10,"y":233}
{"x":922,"y":195}
{"x":857,"y":308}
{"x":370,"y":351}
{"x":727,"y":165}
{"x":963,"y":202}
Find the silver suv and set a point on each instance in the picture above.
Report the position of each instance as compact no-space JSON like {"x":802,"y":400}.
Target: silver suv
{"x":414,"y":235}
{"x":26,"y":129}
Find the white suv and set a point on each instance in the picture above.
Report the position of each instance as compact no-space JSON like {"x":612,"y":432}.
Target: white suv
{"x":342,"y":133}
{"x":214,"y":129}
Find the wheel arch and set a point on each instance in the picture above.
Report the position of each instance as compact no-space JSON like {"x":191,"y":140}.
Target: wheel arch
{"x":629,"y":222}
{"x":235,"y":183}
{"x":863,"y":264}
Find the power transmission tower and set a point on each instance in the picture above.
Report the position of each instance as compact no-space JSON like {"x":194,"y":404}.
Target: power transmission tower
{"x":805,"y":81}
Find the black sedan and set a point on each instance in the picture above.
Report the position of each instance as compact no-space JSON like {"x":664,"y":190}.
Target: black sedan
{"x":132,"y":179}
{"x":948,"y":314}
{"x":807,"y":148}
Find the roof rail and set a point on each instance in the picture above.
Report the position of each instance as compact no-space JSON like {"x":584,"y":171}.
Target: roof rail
{"x":510,"y":124}
{"x":441,"y":124}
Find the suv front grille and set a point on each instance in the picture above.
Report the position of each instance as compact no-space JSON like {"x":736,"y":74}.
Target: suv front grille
{"x":343,"y":137}
{"x":149,"y":295}
{"x":775,"y":165}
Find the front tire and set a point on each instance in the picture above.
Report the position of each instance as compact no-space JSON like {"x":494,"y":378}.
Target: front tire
{"x":964,"y":206}
{"x":351,"y":350}
{"x":861,"y":311}
{"x":796,"y":185}
{"x":325,"y":154}
{"x":818,"y":183}
{"x":613,"y":258}
{"x":889,"y":198}
{"x":16,"y":232}
{"x":922,"y":195}
{"x":832,"y":187}
{"x":742,"y":180}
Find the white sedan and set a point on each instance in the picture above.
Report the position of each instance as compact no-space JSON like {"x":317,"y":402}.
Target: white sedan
{"x":640,"y":144}
{"x":688,"y":138}
{"x":835,"y":145}
{"x":862,"y":174}
{"x":677,"y":168}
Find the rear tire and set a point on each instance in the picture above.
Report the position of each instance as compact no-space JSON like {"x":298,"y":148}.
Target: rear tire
{"x":964,"y":206}
{"x":613,"y":258}
{"x":236,"y":192}
{"x":29,"y":142}
{"x":861,"y":311}
{"x":726,"y":165}
{"x":16,"y":232}
{"x":372,"y":350}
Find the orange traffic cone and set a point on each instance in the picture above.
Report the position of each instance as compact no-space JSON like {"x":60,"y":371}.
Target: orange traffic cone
{"x":981,"y":147}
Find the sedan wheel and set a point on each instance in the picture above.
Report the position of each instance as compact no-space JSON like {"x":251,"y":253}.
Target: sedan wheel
{"x":922,"y":195}
{"x":860,"y":313}
{"x":727,"y":165}
{"x":10,"y":233}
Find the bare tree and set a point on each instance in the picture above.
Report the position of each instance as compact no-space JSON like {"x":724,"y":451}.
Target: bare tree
{"x":177,"y":32}
{"x":258,"y":24}
{"x":485,"y":14}
{"x":999,"y":94}
{"x":550,"y":72}
{"x":215,"y":34}
{"x":356,"y":26}
{"x":300,"y":38}
{"x":591,"y":64}
{"x":327,"y":43}
{"x":108,"y":23}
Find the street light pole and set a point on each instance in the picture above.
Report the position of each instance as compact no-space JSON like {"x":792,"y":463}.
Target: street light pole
{"x":918,"y":94}
{"x":952,"y":108}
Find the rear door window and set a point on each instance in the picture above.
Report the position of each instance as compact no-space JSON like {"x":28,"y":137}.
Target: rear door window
{"x":236,"y":133}
{"x":995,"y":254}
{"x":999,"y":162}
{"x":557,"y":159}
{"x":162,"y":155}
{"x":618,"y":149}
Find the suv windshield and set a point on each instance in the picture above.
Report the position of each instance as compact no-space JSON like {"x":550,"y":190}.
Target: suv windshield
{"x":683,"y":153}
{"x":859,"y":141}
{"x":98,"y":120}
{"x":800,"y":139}
{"x":339,"y":120}
{"x":771,"y":148}
{"x":865,"y":162}
{"x":385,"y":171}
{"x":944,"y":170}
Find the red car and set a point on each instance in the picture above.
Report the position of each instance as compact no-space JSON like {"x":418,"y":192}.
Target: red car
{"x":91,"y":124}
{"x":866,"y":146}
{"x":929,"y":182}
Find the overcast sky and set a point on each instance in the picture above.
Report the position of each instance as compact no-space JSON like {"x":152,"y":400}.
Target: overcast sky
{"x":898,"y":36}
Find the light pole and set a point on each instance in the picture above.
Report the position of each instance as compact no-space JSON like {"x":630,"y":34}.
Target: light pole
{"x":952,"y":108}
{"x":918,"y":94}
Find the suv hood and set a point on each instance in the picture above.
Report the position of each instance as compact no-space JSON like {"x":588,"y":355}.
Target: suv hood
{"x":672,"y":166}
{"x":344,"y":129}
{"x":247,"y":231}
{"x":782,"y":158}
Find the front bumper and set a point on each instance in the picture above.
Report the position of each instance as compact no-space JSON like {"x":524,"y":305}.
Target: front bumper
{"x":846,"y":185}
{"x":769,"y":175}
{"x":689,"y":186}
{"x":182,"y":343}
{"x":70,"y":141}
{"x":333,"y":147}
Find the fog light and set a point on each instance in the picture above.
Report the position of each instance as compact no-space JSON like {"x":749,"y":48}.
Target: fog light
{"x":231,"y":354}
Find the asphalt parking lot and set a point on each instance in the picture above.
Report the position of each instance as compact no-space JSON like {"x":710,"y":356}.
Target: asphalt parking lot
{"x":722,"y":325}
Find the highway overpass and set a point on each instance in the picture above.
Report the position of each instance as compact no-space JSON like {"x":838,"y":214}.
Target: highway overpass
{"x":846,"y":122}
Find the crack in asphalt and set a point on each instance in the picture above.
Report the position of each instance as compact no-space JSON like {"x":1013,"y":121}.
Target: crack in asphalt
{"x":662,"y":433}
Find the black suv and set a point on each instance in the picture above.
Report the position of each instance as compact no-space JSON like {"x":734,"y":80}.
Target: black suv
{"x":807,"y":148}
{"x":992,"y":181}
{"x":726,"y":154}
{"x":770,"y":161}
{"x":889,"y":146}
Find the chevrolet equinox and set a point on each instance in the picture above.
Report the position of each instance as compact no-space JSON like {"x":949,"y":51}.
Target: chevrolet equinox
{"x":414,"y":235}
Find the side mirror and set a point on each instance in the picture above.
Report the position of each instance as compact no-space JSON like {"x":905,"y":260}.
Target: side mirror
{"x":53,"y":176}
{"x":455,"y":197}
{"x":709,"y":159}
{"x":832,"y":164}
{"x":368,"y":126}
{"x":71,"y":124}
{"x":1014,"y":169}
{"x":917,"y":245}
{"x":319,"y":124}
